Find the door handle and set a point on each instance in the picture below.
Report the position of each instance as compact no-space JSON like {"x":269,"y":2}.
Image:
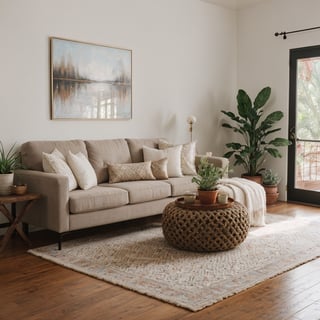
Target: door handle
{"x":292,"y":135}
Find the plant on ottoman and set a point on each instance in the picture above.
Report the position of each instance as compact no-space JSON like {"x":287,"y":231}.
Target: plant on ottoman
{"x":207,"y":178}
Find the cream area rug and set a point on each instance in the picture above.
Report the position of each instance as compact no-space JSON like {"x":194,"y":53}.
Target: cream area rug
{"x":142,"y":261}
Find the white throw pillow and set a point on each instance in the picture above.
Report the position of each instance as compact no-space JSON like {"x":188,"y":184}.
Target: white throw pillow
{"x":174,"y":158}
{"x":83,"y":170}
{"x":55,"y":163}
{"x":188,"y":155}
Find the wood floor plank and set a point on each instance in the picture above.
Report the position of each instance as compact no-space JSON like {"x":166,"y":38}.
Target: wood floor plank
{"x":35,"y":289}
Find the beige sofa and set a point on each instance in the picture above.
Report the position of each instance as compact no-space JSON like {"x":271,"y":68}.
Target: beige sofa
{"x":62,"y":211}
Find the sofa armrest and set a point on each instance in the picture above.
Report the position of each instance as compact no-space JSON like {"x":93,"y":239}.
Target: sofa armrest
{"x":51,"y":211}
{"x":220,"y":162}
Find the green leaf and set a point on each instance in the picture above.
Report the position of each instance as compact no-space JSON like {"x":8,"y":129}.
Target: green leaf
{"x":280,"y":142}
{"x":262,"y":97}
{"x":234,"y":145}
{"x":228,"y":154}
{"x":274,"y":117}
{"x":244,"y":103}
{"x":274,"y":152}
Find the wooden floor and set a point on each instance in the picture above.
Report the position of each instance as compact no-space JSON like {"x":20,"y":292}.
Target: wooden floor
{"x":32,"y":288}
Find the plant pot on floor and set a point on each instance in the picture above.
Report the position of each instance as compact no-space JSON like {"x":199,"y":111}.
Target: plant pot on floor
{"x":257,"y":178}
{"x":208,"y":196}
{"x":272,"y":194}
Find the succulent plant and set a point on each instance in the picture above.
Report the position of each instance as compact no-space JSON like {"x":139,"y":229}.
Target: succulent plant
{"x":270,"y":178}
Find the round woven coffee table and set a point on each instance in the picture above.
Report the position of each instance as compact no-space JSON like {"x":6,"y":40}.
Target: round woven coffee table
{"x":205,"y":230}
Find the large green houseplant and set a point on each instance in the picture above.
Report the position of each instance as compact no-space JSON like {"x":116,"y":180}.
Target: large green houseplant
{"x":9,"y":161}
{"x":255,"y":129}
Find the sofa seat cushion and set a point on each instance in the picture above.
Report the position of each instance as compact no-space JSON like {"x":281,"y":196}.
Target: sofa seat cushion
{"x":142,"y":191}
{"x":180,"y":186}
{"x":97,"y":198}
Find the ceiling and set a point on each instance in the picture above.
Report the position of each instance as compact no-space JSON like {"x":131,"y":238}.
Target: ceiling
{"x":234,"y":4}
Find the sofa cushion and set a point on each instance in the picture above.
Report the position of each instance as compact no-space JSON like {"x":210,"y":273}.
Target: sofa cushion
{"x":97,"y":198}
{"x":160,"y":168}
{"x":82,"y":169}
{"x":55,"y":162}
{"x":142,"y":191}
{"x":31,"y":151}
{"x":174,"y":158}
{"x":188,"y":155}
{"x":102,"y":152}
{"x":130,"y":172}
{"x":136,"y":145}
{"x":180,"y":186}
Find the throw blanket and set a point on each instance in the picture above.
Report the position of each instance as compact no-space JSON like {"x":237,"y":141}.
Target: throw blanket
{"x":248,"y":193}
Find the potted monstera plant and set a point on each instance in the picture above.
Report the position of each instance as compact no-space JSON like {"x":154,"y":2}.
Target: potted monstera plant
{"x":257,"y":132}
{"x":207,"y":178}
{"x":9,"y":161}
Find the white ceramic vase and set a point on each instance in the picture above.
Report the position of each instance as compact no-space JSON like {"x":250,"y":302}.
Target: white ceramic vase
{"x":6,"y":181}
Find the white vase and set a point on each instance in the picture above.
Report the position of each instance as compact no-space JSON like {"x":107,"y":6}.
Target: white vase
{"x":6,"y":181}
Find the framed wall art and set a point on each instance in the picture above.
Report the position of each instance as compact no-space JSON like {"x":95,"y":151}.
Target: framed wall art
{"x":90,"y":81}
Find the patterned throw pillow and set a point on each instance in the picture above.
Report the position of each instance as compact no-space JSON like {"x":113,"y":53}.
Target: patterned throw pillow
{"x":159,"y":168}
{"x":130,"y":172}
{"x":174,"y":158}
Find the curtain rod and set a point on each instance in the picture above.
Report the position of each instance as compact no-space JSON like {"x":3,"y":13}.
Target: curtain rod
{"x":285,"y":33}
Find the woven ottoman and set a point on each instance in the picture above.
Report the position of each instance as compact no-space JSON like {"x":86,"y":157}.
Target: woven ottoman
{"x":205,"y":230}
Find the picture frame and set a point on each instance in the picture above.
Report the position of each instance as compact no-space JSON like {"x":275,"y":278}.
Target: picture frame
{"x":89,"y":81}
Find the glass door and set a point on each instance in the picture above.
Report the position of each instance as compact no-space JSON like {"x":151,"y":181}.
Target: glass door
{"x":304,"y":126}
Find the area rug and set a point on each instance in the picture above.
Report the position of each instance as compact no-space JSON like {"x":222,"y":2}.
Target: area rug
{"x":142,"y":261}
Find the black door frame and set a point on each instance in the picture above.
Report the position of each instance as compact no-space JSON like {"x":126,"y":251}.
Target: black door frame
{"x":293,"y":194}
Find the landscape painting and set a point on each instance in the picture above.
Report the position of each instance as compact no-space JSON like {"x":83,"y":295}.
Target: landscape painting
{"x":90,"y":81}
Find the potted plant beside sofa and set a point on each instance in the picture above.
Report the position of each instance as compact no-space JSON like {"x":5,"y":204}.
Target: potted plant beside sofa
{"x":270,"y":181}
{"x":9,"y":161}
{"x":207,"y":178}
{"x":255,"y":128}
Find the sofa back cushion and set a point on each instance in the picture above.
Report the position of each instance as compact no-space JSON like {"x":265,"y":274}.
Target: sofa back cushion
{"x":102,"y":152}
{"x":135,"y":147}
{"x":31,"y":151}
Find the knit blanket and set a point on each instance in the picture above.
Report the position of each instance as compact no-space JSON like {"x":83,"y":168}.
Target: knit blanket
{"x":251,"y":194}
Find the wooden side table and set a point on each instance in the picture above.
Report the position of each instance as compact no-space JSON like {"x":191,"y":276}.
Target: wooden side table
{"x":14,"y":217}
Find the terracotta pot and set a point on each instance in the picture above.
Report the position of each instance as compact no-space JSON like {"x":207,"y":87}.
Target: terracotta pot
{"x":272,"y":194}
{"x":257,"y":179}
{"x":208,"y":197}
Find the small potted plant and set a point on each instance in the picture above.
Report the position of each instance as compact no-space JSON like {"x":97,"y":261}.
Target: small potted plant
{"x":270,"y":181}
{"x":9,"y":161}
{"x":207,"y":178}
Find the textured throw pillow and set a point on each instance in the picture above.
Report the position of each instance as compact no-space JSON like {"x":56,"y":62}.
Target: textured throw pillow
{"x":82,"y":169}
{"x":159,"y":168}
{"x":130,"y":172}
{"x":55,"y":163}
{"x":188,"y":155}
{"x":174,"y":158}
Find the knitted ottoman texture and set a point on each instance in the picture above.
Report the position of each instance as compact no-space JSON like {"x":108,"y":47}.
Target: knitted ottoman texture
{"x":205,"y":230}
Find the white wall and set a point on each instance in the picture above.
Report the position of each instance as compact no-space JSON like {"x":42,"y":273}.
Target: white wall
{"x":184,"y":62}
{"x":263,"y":59}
